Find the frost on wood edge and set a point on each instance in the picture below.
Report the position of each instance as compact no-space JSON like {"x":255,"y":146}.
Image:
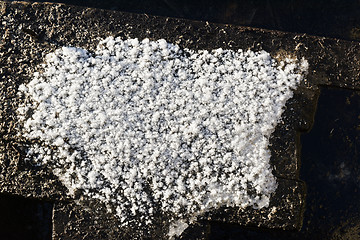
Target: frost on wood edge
{"x":146,"y":127}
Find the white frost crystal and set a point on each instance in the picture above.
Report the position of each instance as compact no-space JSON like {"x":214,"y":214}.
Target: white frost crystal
{"x":145,"y":125}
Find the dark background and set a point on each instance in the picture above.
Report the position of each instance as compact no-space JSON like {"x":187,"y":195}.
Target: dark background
{"x":330,"y":161}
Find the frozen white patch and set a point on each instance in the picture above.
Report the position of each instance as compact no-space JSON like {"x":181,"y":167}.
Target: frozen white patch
{"x":145,"y":126}
{"x":177,"y":228}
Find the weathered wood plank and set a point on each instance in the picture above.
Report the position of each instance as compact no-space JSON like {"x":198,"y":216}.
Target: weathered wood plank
{"x":30,"y":31}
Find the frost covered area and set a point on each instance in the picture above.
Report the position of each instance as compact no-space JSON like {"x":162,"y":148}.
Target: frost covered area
{"x":145,"y":126}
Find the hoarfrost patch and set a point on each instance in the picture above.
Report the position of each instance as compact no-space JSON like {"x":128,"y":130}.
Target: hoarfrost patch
{"x":145,"y":126}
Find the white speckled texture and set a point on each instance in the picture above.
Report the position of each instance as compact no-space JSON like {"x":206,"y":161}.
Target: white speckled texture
{"x":145,"y":125}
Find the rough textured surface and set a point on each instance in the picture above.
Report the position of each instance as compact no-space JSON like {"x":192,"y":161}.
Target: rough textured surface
{"x":29,"y":31}
{"x":338,"y":19}
{"x":156,"y":115}
{"x":285,"y":204}
{"x":73,"y":221}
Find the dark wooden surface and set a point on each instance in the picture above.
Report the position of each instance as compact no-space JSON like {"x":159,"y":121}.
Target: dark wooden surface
{"x":29,"y":31}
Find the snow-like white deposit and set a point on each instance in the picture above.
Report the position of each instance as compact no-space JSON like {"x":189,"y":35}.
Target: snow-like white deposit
{"x":146,"y":126}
